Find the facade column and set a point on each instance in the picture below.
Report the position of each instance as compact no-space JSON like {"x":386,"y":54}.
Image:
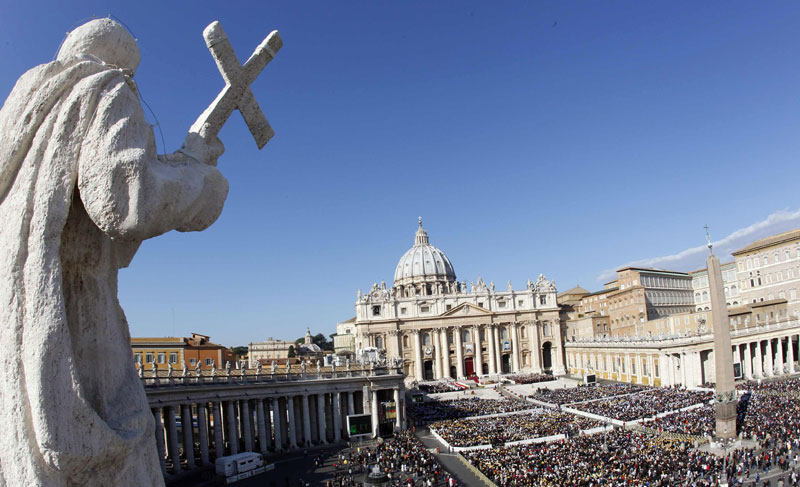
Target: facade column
{"x":418,"y":367}
{"x":233,"y":435}
{"x":292,"y":422}
{"x":459,"y":353}
{"x":375,"y":413}
{"x":277,"y":423}
{"x":306,"y":420}
{"x":263,"y":437}
{"x":558,"y":349}
{"x":477,"y":354}
{"x":219,"y":445}
{"x":498,"y":349}
{"x":662,"y":370}
{"x":202,"y":429}
{"x":398,"y":410}
{"x":172,"y":437}
{"x":160,"y":444}
{"x":536,"y":348}
{"x":781,"y":357}
{"x":759,"y":365}
{"x":323,"y":434}
{"x":188,"y":441}
{"x":490,"y":349}
{"x":790,"y":353}
{"x":337,"y":417}
{"x":514,"y":333}
{"x":445,"y":353}
{"x":246,"y":419}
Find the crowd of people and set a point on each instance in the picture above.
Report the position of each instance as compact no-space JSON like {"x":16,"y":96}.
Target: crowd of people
{"x":429,"y":411}
{"x":586,"y":393}
{"x":695,"y":422}
{"x":404,"y":459}
{"x":644,"y":404}
{"x":505,"y":429}
{"x":530,"y":378}
{"x":617,"y":458}
{"x":436,"y":387}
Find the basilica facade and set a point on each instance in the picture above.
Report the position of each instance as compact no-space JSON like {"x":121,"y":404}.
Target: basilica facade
{"x":441,"y":328}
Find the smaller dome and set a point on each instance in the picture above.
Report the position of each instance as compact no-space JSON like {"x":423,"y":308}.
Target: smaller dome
{"x":423,"y":263}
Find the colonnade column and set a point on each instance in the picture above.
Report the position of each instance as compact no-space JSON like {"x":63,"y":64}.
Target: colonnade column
{"x":445,"y":352}
{"x":246,"y":418}
{"x":172,"y":440}
{"x":477,"y":354}
{"x":662,"y":370}
{"x":277,"y":423}
{"x":292,"y":422}
{"x":306,"y":420}
{"x":790,"y":353}
{"x":337,"y":417}
{"x":160,"y":445}
{"x":233,"y":437}
{"x":202,"y":429}
{"x":769,"y":367}
{"x":490,"y":346}
{"x":748,"y":361}
{"x":375,"y":413}
{"x":219,"y":445}
{"x":418,"y":367}
{"x":759,"y":361}
{"x":323,"y":434}
{"x":459,"y":353}
{"x":683,"y":369}
{"x":781,"y":357}
{"x":263,"y":443}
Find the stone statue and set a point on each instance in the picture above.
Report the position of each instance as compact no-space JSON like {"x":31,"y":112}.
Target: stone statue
{"x":347,"y":364}
{"x":318,"y":366}
{"x":185,"y":372}
{"x":198,"y":368}
{"x":141,"y":370}
{"x":81,"y":187}
{"x":155,"y":370}
{"x":228,"y":368}
{"x":213,"y":369}
{"x":333,"y":368}
{"x":258,"y":368}
{"x":288,"y":366}
{"x":491,"y":285}
{"x":509,"y":286}
{"x":169,"y":370}
{"x":273,"y":366}
{"x":303,"y":367}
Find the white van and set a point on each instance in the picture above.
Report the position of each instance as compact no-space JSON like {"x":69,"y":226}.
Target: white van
{"x":238,"y":464}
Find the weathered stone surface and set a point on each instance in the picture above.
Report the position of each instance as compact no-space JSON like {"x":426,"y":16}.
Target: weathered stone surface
{"x":81,"y":186}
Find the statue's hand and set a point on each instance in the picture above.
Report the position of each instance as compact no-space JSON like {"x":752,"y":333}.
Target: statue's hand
{"x":201,"y":149}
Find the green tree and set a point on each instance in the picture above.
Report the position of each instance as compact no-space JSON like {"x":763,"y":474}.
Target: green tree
{"x":291,"y":351}
{"x":240,"y":351}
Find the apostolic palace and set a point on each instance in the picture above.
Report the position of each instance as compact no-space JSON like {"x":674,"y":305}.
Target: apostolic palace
{"x":442,"y":328}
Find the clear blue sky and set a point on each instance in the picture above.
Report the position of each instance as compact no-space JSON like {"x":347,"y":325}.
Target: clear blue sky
{"x":564,"y":138}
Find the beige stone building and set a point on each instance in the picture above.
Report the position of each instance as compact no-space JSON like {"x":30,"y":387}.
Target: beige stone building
{"x":442,"y":328}
{"x":769,"y":269}
{"x":700,"y":287}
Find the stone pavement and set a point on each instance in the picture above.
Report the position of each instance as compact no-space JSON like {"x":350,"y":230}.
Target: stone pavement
{"x":449,"y":461}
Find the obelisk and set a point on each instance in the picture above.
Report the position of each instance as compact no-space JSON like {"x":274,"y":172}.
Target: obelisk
{"x":725,"y":398}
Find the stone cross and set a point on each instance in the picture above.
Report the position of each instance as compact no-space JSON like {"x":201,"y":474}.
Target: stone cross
{"x":237,"y":94}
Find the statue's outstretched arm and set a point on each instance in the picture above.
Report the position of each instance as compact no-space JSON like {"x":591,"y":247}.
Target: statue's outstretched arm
{"x":129,"y":191}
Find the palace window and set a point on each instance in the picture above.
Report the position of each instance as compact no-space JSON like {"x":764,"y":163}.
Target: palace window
{"x":449,"y":307}
{"x":161,"y":358}
{"x":209,"y":361}
{"x":192,"y":361}
{"x":501,"y":304}
{"x":173,"y":357}
{"x":405,"y":341}
{"x":378,"y":342}
{"x":520,"y":303}
{"x":424,"y":309}
{"x":137,"y":358}
{"x":543,"y":299}
{"x":148,"y":358}
{"x":402,"y":311}
{"x":426,"y":339}
{"x":480,"y":304}
{"x":376,"y":311}
{"x":546,"y":329}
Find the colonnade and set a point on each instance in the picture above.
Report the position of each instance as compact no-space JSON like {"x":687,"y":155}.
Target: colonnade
{"x":692,"y":365}
{"x":268,"y":424}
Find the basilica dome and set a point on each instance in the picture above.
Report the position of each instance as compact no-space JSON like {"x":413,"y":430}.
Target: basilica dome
{"x":423,"y":263}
